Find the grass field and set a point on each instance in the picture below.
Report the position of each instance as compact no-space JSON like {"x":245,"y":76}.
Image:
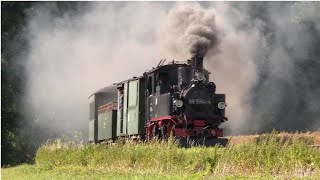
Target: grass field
{"x":24,"y":172}
{"x":269,"y":156}
{"x":35,"y":172}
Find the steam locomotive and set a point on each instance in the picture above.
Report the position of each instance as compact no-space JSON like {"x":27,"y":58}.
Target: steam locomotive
{"x":173,"y":99}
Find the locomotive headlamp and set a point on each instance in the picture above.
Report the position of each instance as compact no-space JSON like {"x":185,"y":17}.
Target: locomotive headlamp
{"x":221,"y":105}
{"x":178,"y":103}
{"x":200,"y":76}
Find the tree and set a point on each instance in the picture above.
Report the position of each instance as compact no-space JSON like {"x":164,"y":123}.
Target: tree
{"x":13,"y":19}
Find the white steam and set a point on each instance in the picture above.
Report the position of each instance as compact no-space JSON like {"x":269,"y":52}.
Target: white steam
{"x":75,"y":54}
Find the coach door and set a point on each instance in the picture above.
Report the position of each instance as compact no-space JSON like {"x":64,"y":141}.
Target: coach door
{"x":133,"y":107}
{"x":122,"y":126}
{"x":130,"y":109}
{"x":125,"y":109}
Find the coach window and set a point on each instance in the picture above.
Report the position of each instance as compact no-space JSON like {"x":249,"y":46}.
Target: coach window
{"x":92,"y":108}
{"x":163,"y":82}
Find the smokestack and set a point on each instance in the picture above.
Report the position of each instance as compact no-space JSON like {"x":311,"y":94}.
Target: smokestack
{"x":197,"y":63}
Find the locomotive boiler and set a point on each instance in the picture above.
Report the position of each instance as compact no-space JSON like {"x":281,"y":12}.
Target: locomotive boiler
{"x":174,"y":99}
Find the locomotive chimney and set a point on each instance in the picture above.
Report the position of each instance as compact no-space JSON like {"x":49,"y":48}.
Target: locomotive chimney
{"x":196,"y":65}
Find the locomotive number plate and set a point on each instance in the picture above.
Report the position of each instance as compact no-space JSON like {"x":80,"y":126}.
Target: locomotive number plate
{"x":199,"y":101}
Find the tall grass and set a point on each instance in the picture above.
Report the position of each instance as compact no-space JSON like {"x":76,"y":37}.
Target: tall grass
{"x":267,"y":155}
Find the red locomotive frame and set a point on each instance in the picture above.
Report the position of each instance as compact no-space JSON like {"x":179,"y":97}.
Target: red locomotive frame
{"x":171,"y":121}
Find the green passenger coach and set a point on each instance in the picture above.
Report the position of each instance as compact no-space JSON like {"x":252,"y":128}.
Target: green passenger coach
{"x":106,"y":123}
{"x":97,"y":101}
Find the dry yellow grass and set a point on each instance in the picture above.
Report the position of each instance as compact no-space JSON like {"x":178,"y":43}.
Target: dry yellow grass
{"x":312,"y":136}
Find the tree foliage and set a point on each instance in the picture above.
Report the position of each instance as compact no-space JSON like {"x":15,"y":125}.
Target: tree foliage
{"x":13,"y":20}
{"x":16,"y":129}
